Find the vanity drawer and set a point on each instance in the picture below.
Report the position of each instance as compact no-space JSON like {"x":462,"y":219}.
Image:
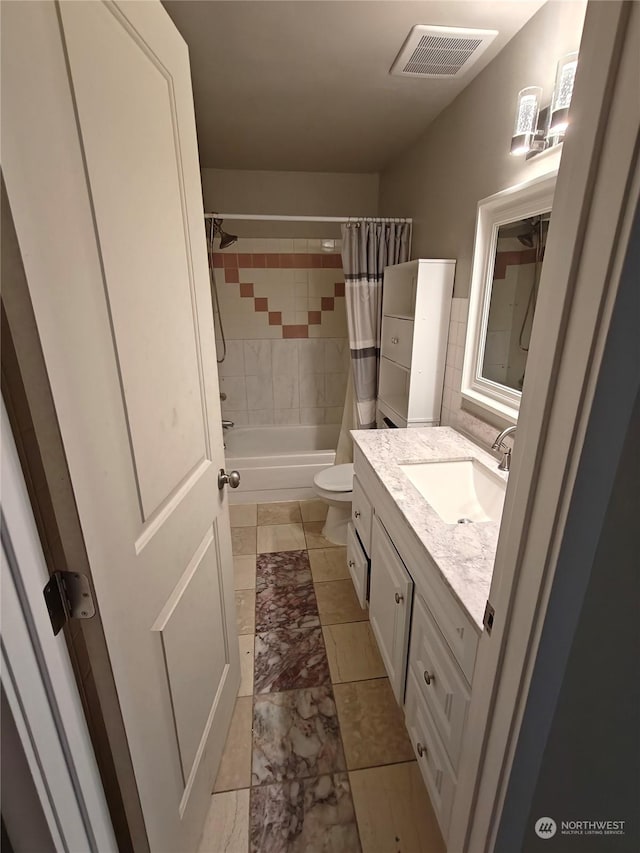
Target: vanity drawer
{"x":361,"y":514}
{"x":397,"y":340}
{"x":358,"y":565}
{"x":439,"y":679}
{"x":437,"y":772}
{"x":454,"y":623}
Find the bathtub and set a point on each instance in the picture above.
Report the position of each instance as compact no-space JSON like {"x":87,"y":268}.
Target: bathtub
{"x":278,"y":463}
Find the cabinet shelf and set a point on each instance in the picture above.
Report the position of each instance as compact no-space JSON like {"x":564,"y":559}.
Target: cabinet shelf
{"x":390,"y":361}
{"x":394,"y":386}
{"x":397,"y":316}
{"x":416,"y":303}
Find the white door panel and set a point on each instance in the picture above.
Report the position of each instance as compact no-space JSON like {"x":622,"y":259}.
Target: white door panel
{"x":144,"y":242}
{"x":108,"y":214}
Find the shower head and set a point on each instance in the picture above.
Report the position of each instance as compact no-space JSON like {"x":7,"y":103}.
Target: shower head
{"x":526,"y":239}
{"x":226,"y":240}
{"x":529,"y":237}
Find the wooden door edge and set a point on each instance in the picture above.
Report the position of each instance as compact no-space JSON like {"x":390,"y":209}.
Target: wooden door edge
{"x":34,"y":425}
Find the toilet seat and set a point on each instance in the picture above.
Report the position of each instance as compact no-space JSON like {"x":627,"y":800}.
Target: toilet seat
{"x":337,"y":479}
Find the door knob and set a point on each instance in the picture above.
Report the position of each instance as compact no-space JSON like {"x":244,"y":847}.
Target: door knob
{"x":232,"y":478}
{"x":399,"y":598}
{"x":395,"y":340}
{"x":352,"y":565}
{"x":421,"y":749}
{"x":356,"y":514}
{"x":428,"y":677}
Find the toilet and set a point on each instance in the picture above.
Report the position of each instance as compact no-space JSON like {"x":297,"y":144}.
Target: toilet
{"x":335,"y":486}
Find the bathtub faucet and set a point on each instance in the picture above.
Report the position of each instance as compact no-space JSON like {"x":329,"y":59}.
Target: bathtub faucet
{"x":227,"y":424}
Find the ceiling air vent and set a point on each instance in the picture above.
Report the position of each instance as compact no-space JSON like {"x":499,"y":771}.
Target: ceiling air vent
{"x":441,"y":51}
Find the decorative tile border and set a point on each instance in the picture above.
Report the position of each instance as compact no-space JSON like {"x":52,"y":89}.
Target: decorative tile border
{"x":233,"y":262}
{"x":277,"y":260}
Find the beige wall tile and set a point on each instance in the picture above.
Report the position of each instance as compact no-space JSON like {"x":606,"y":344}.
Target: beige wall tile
{"x":314,"y":537}
{"x":243,"y":540}
{"x":279,"y":513}
{"x":352,"y":652}
{"x":243,"y":515}
{"x":235,"y":766}
{"x":261,"y":417}
{"x":246,"y":611}
{"x":328,"y":564}
{"x":333,"y":414}
{"x":280,"y":537}
{"x":372,"y":724}
{"x":337,"y":602}
{"x":246,"y":664}
{"x":310,"y":357}
{"x":235,"y":387}
{"x":226,"y":828}
{"x":313,"y":510}
{"x":233,"y":364}
{"x":286,"y":416}
{"x":394,"y":811}
{"x":312,"y":416}
{"x":244,"y":571}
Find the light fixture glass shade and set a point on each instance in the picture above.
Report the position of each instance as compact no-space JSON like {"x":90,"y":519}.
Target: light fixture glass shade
{"x":563,"y":90}
{"x":526,"y":121}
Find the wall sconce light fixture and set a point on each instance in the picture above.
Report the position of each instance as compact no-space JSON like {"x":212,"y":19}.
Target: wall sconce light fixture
{"x":535,"y":129}
{"x":565,"y":77}
{"x":526,"y":123}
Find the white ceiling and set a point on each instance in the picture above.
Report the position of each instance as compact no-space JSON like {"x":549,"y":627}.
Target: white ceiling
{"x":304,"y":85}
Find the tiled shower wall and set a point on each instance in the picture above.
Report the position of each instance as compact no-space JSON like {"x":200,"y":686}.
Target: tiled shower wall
{"x":283,"y":309}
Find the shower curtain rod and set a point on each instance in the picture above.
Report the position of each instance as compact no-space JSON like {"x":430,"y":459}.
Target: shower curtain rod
{"x":274,"y":218}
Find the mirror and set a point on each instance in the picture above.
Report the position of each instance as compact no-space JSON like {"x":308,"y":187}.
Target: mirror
{"x":511,"y":236}
{"x":517,"y":265}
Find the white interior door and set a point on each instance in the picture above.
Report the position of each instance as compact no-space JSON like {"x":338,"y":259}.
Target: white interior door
{"x":101,"y":167}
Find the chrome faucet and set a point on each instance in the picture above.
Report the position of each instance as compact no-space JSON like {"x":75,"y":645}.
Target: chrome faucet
{"x":505,"y":462}
{"x":227,"y":424}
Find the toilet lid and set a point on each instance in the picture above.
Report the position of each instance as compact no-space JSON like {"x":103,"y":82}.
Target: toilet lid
{"x":337,"y":478}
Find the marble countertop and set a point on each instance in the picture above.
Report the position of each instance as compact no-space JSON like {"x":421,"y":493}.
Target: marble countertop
{"x":464,"y":553}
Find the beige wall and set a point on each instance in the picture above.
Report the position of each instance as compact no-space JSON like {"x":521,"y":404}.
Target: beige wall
{"x":464,"y":154}
{"x":464,"y":157}
{"x":289,"y":194}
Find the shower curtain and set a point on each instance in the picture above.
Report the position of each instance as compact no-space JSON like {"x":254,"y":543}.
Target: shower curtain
{"x":367,"y":248}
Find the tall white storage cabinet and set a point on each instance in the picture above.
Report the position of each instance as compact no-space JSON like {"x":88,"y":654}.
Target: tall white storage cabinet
{"x":416,"y":303}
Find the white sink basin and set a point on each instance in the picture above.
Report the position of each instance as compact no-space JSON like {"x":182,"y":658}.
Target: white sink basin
{"x":461,"y":489}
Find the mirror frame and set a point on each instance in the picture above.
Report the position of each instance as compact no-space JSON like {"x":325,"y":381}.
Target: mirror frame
{"x":517,"y":202}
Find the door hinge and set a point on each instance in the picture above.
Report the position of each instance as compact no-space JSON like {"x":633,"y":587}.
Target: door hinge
{"x":489,"y":614}
{"x":68,"y":596}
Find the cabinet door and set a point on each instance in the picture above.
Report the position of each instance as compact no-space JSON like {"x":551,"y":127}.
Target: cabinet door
{"x":390,"y":599}
{"x":361,"y":515}
{"x":358,"y":565}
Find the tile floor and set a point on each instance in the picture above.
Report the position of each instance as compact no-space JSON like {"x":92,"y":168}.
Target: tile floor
{"x":317,"y":759}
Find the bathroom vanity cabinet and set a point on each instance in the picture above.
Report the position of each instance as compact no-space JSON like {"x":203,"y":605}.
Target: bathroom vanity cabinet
{"x":416,"y":302}
{"x":427,"y":637}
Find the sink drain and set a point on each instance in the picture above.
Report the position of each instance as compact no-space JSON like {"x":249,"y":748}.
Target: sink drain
{"x":465,"y":521}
